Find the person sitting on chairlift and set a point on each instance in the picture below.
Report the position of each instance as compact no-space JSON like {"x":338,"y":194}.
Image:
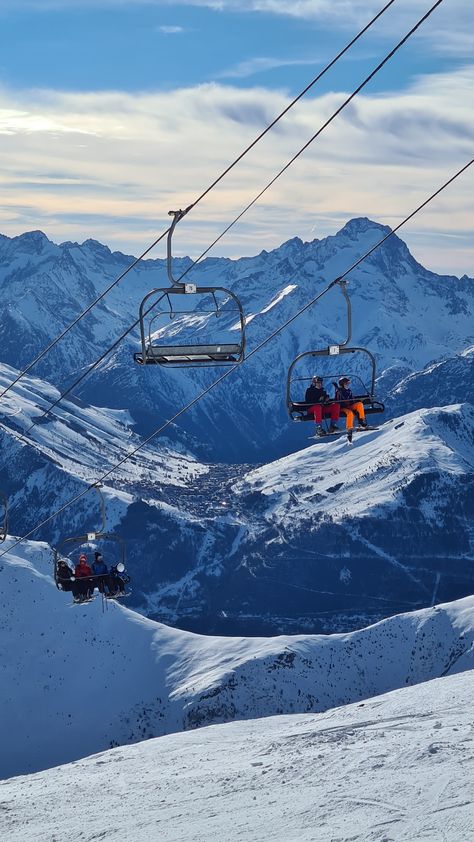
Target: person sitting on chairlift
{"x":100,"y":572}
{"x":83,"y":572}
{"x":116,"y":581}
{"x":349,"y":406}
{"x":321,"y":406}
{"x":65,"y":576}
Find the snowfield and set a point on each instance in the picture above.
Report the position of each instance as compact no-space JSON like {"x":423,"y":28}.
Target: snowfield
{"x":77,"y":679}
{"x":397,"y":768}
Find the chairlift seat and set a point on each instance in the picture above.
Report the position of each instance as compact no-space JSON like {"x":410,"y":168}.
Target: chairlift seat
{"x":299,"y":409}
{"x":190,"y":354}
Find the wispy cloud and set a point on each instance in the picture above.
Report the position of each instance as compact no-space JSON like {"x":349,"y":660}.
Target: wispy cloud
{"x":171,"y":30}
{"x":85,"y":165}
{"x":261,"y":64}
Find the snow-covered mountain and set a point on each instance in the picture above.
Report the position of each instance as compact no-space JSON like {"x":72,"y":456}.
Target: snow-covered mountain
{"x":407,"y":316}
{"x":327,"y":538}
{"x":398,"y":767}
{"x":332,"y":537}
{"x":78,"y":679}
{"x":446,"y":382}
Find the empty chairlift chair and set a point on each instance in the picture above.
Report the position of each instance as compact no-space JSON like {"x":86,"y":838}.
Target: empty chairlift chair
{"x":188,"y":311}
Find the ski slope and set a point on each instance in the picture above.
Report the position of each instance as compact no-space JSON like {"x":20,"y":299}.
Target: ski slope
{"x":81,"y":679}
{"x":397,"y":768}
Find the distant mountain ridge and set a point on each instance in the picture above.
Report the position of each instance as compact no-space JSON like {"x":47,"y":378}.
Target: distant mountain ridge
{"x":407,"y":316}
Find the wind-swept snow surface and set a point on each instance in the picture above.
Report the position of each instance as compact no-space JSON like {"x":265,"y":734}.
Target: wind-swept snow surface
{"x":398,"y":768}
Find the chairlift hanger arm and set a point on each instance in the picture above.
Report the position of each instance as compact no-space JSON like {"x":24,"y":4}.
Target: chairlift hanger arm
{"x":4,"y":521}
{"x":177,"y":216}
{"x":342,"y":284}
{"x":97,"y":487}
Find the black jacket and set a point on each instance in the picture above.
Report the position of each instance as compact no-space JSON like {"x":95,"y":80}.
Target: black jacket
{"x":344,"y":396}
{"x":315,"y":395}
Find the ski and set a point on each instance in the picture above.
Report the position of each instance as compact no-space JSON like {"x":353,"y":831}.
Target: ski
{"x":347,"y":433}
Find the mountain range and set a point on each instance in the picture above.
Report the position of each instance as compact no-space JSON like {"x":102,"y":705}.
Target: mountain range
{"x":407,"y":316}
{"x":235,"y":522}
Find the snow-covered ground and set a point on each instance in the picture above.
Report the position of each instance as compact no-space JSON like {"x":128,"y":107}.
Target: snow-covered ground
{"x":81,"y":679}
{"x":343,"y":482}
{"x":397,"y":768}
{"x":84,"y":441}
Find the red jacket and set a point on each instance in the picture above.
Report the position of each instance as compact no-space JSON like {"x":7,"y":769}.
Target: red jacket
{"x":82,"y":569}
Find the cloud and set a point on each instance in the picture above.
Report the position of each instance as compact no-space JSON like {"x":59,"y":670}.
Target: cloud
{"x":259,"y":65}
{"x":171,"y":30}
{"x":110,"y":165}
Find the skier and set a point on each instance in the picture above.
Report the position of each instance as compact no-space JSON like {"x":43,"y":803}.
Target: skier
{"x":117,"y":580}
{"x":64,"y":576}
{"x":321,"y":406}
{"x":100,"y":572}
{"x":349,"y":406}
{"x":83,"y":572}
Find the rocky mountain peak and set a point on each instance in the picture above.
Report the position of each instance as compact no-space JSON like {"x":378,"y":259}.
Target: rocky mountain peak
{"x":361,"y":225}
{"x":32,"y":241}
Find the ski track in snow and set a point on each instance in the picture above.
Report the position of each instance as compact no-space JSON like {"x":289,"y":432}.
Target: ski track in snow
{"x":397,"y":768}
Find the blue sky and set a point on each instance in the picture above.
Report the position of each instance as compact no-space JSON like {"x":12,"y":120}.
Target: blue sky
{"x":114,"y":111}
{"x":148,"y":47}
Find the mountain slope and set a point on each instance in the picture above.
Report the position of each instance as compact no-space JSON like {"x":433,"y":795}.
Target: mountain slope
{"x":398,"y":767}
{"x":78,"y":679}
{"x":446,"y":382}
{"x":333,"y":537}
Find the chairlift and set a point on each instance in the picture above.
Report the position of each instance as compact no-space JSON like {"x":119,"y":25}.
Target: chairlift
{"x":3,"y":517}
{"x":175,"y":304}
{"x":364,"y":391}
{"x":89,"y":542}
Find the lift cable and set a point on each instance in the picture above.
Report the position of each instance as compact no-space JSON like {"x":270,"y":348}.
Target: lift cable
{"x":229,"y":371}
{"x":313,"y":138}
{"x":196,"y":202}
{"x":346,"y":102}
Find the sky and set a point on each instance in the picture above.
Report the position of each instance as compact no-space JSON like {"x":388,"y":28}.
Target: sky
{"x":114,"y":112}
